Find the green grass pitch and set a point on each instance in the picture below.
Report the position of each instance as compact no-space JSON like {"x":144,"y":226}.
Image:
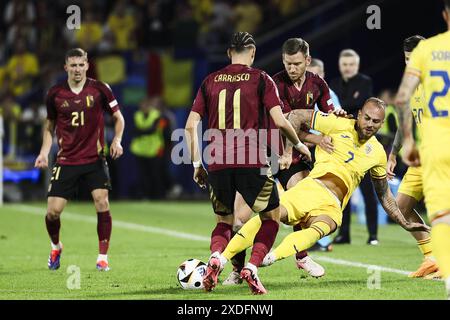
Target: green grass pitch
{"x":144,"y":256}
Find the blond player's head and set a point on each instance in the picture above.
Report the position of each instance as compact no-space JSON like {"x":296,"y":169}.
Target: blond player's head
{"x":409,"y":44}
{"x":76,"y":65}
{"x":348,"y":63}
{"x":296,"y":58}
{"x":370,"y":118}
{"x":242,"y":48}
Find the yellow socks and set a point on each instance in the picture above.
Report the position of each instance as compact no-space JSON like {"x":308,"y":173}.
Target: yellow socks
{"x":243,"y":239}
{"x":425,"y":247}
{"x":440,"y":240}
{"x":301,"y":240}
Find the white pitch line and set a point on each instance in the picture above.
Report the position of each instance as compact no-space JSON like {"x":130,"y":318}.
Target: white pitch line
{"x":360,"y":265}
{"x":116,"y":223}
{"x":189,"y":236}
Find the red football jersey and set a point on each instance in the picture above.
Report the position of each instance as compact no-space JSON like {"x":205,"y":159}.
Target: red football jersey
{"x":79,"y":120}
{"x":236,"y":101}
{"x":314,"y":91}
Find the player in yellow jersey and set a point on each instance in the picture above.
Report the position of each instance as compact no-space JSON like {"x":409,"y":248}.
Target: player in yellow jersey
{"x":317,"y":201}
{"x":410,"y":191}
{"x":429,"y":65}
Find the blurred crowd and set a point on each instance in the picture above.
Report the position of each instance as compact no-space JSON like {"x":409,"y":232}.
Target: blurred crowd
{"x":34,"y":38}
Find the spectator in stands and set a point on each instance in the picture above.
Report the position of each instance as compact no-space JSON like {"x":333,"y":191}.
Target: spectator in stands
{"x":219,"y":31}
{"x":353,"y":89}
{"x":248,"y":16}
{"x":155,"y":25}
{"x":16,"y":9}
{"x":122,"y":24}
{"x":90,"y":34}
{"x":22,"y":69}
{"x":32,"y":120}
{"x":10,"y":111}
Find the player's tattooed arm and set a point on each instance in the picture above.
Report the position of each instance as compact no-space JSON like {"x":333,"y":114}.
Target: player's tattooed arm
{"x":300,"y":119}
{"x":389,"y":204}
{"x":397,"y":144}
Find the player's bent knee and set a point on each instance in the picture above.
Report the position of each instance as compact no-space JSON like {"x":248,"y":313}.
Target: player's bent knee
{"x":325,"y":223}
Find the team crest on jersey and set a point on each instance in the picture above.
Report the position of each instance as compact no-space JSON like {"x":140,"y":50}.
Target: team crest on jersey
{"x":89,"y":101}
{"x":368,"y":148}
{"x":309,"y":98}
{"x":65,"y":104}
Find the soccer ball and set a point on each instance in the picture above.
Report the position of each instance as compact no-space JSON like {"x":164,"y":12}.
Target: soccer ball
{"x":190,"y":274}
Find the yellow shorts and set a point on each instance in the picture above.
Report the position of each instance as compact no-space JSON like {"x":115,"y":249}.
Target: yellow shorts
{"x":436,"y":179}
{"x":309,"y":198}
{"x":411,"y":184}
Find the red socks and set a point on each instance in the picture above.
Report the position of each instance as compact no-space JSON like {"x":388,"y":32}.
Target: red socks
{"x":104,"y":226}
{"x":53,"y":227}
{"x":264,"y":240}
{"x":220,"y":237}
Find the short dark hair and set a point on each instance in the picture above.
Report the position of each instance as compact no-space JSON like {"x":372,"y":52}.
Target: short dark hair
{"x":75,"y":52}
{"x":447,"y":4}
{"x":411,"y":42}
{"x":241,"y":41}
{"x":293,"y":45}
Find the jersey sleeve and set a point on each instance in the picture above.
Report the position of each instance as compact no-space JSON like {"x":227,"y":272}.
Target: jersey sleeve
{"x":282,"y":93}
{"x":50,"y":103}
{"x":111,"y":105}
{"x":379,"y":170}
{"x":326,"y":122}
{"x":325,"y":103}
{"x":416,"y":61}
{"x":271,"y":97}
{"x":199,"y":104}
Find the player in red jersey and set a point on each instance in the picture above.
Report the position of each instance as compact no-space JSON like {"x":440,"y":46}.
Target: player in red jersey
{"x":75,"y":111}
{"x":298,"y":89}
{"x":238,"y":102}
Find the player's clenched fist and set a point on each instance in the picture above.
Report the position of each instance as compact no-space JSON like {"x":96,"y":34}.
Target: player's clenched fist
{"x":41,"y":161}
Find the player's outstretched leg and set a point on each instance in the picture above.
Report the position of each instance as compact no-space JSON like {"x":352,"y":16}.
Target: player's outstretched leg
{"x":215,"y":266}
{"x":250,"y":274}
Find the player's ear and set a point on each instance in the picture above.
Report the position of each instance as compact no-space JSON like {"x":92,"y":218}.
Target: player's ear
{"x":87,"y":65}
{"x":229,"y":53}
{"x":308,"y":60}
{"x":445,"y":15}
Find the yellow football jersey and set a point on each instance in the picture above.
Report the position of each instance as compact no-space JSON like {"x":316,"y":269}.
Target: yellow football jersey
{"x":430,"y":61}
{"x":351,"y":159}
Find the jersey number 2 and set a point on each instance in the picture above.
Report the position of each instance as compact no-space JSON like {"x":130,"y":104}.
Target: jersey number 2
{"x":444,"y":75}
{"x":236,"y":109}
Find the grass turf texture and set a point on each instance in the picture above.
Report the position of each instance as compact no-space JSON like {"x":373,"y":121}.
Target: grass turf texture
{"x":144,"y":263}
